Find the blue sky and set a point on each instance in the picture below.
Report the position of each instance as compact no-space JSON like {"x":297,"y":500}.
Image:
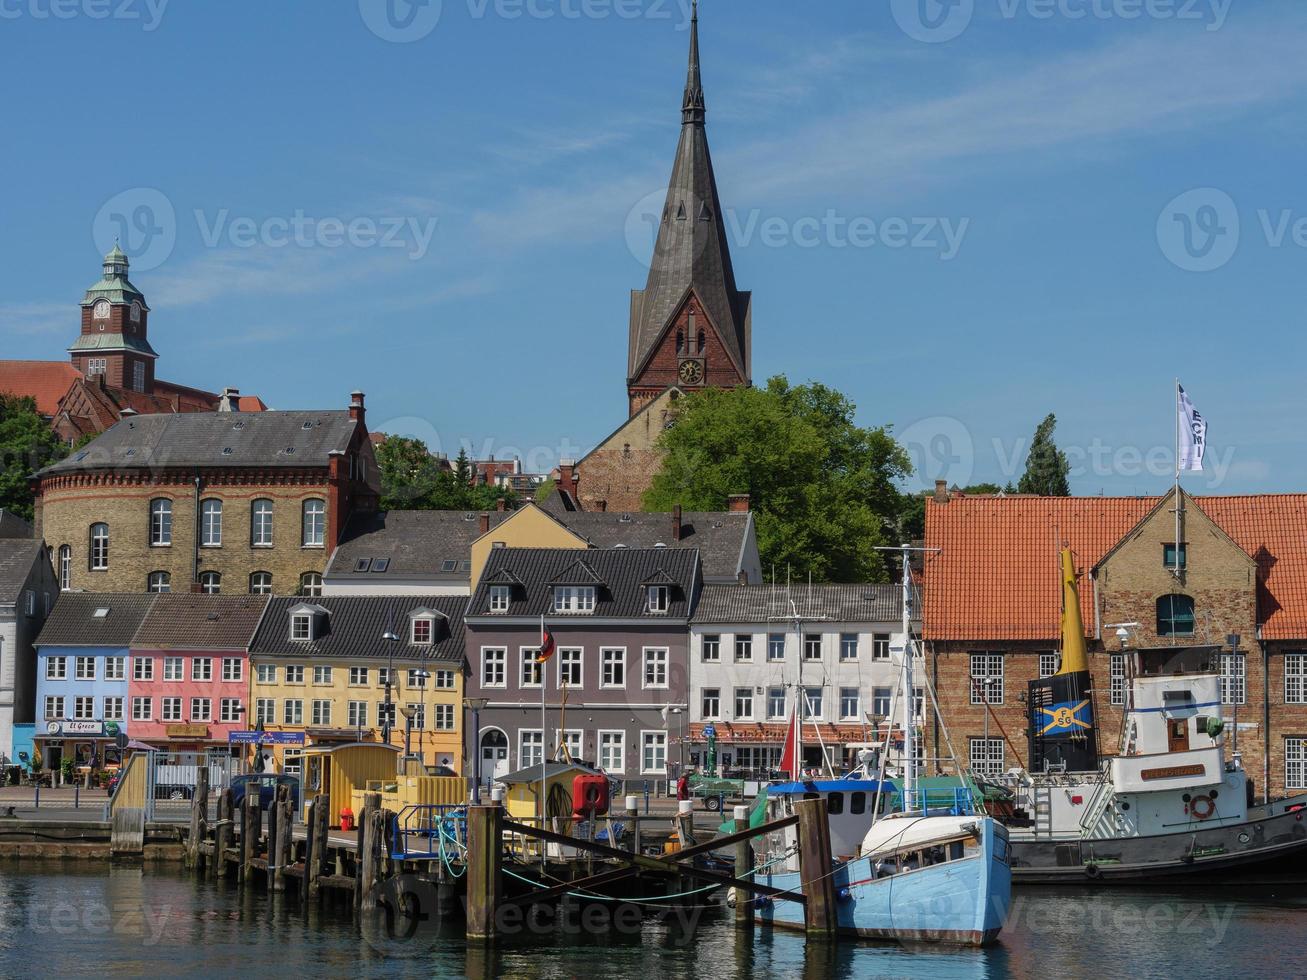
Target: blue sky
{"x":964,"y":219}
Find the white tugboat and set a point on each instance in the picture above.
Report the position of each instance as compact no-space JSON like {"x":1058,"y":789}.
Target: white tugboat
{"x":1169,"y":804}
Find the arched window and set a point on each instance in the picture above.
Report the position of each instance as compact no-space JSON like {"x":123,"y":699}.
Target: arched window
{"x":315,"y":523}
{"x":160,"y":522}
{"x":680,"y":341}
{"x":210,"y":583}
{"x":65,"y":567}
{"x":261,"y":583}
{"x":261,"y":524}
{"x":702,"y":337}
{"x":310,"y":584}
{"x":1175,"y":615}
{"x":211,"y":523}
{"x":158,"y":582}
{"x":99,"y":547}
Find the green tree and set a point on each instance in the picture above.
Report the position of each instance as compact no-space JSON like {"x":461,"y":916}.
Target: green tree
{"x":26,"y":445}
{"x":822,"y":486}
{"x":546,"y":490}
{"x":463,"y":468}
{"x":413,"y":479}
{"x":1046,"y":466}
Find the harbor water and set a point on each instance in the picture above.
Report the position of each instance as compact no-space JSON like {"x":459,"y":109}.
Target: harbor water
{"x":126,"y":922}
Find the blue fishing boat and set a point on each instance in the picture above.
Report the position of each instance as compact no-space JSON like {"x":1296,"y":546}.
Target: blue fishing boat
{"x":925,"y":876}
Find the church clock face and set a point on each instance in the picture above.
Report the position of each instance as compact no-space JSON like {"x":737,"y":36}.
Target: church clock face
{"x":691,"y":372}
{"x":101,"y":310}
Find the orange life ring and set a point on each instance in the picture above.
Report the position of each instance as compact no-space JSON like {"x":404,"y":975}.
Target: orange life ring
{"x":1208,"y":807}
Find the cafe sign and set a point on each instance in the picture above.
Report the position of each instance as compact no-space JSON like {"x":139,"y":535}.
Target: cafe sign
{"x":75,"y":728}
{"x":186,"y":731}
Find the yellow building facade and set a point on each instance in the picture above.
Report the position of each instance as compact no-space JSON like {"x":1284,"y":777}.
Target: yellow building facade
{"x":529,"y":527}
{"x":335,"y":669}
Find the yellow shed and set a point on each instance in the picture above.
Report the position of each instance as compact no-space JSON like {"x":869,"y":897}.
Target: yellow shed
{"x":522,"y":789}
{"x":339,"y":770}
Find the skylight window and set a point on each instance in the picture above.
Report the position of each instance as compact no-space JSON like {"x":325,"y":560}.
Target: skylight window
{"x":380,"y":564}
{"x":102,"y":612}
{"x":363,"y":564}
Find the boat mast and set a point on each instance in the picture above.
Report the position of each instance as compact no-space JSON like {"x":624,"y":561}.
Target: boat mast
{"x":909,"y":727}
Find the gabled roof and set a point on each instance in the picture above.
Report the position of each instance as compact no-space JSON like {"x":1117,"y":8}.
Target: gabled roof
{"x":44,"y":381}
{"x":416,"y":544}
{"x":621,"y":570}
{"x":263,"y":439}
{"x":185,"y":621}
{"x":17,"y":557}
{"x":73,"y":621}
{"x":692,"y":252}
{"x":719,"y":536}
{"x":503,"y":576}
{"x":767,"y":603}
{"x":355,"y":624}
{"x":531,"y":774}
{"x":996,"y":574}
{"x":580,"y":572}
{"x":13,"y":526}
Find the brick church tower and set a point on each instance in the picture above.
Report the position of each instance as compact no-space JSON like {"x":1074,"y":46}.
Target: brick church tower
{"x":690,"y":326}
{"x":115,"y":322}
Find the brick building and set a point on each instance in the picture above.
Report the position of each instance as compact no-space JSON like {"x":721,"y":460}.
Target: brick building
{"x":111,"y":368}
{"x":992,"y":613}
{"x":690,"y":327}
{"x":227,"y":502}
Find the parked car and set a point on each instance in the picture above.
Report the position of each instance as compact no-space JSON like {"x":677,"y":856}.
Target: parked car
{"x":267,"y":783}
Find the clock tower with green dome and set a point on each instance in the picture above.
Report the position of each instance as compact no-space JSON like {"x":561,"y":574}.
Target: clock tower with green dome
{"x":114,"y":343}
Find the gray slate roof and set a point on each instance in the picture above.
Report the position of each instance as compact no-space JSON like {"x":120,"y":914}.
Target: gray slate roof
{"x":73,"y":622}
{"x":13,"y":526}
{"x":836,"y":603}
{"x":718,"y":536}
{"x":621,"y":572}
{"x":355,"y":624}
{"x":419,"y":544}
{"x":691,"y":249}
{"x":264,"y":439}
{"x":185,"y":621}
{"x":17,"y":556}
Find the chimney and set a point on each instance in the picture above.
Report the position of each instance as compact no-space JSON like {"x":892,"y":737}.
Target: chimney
{"x":941,"y":491}
{"x":676,"y":523}
{"x":738,"y":503}
{"x":501,"y":505}
{"x":743,"y":577}
{"x":230,"y":400}
{"x":567,"y":476}
{"x":356,"y":410}
{"x":485,"y":523}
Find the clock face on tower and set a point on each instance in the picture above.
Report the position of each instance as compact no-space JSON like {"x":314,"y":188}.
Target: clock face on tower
{"x":101,"y":310}
{"x":691,"y":372}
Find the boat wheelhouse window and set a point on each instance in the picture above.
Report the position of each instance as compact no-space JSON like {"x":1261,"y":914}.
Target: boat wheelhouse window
{"x":857,"y":802}
{"x":955,"y":850}
{"x":835,"y":803}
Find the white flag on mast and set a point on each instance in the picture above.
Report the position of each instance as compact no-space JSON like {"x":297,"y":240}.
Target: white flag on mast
{"x":1193,"y":434}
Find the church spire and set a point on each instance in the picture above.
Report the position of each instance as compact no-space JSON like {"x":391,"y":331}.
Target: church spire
{"x":693,"y":107}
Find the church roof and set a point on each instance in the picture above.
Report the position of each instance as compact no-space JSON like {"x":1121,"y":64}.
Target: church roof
{"x":112,"y":342}
{"x":691,"y":252}
{"x":44,"y":381}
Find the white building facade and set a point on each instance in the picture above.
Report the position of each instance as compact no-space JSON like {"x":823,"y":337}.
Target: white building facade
{"x":834,"y":652}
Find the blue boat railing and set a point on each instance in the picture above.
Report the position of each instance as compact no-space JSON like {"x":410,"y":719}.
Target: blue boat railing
{"x":954,"y":801}
{"x":434,"y":831}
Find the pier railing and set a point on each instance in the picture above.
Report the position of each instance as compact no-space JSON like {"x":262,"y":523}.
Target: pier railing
{"x":429,"y":831}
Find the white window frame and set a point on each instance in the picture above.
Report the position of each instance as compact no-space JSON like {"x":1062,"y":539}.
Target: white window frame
{"x":652,"y":739}
{"x":882,"y":696}
{"x":83,"y":707}
{"x":230,"y":710}
{"x":201,"y":709}
{"x":115,"y":668}
{"x":261,"y":583}
{"x":710,"y":703}
{"x":444,"y":718}
{"x":1295,"y":762}
{"x":65,"y":567}
{"x":265,"y":711}
{"x":356,"y":714}
{"x":986,"y":677}
{"x":158,"y":583}
{"x":774,"y":647}
{"x":608,"y":740}
{"x":301,"y":627}
{"x":443,"y":680}
{"x":1050,"y":662}
{"x":56,"y":668}
{"x":986,"y":756}
{"x":809,"y":641}
{"x":773,"y":715}
{"x":170,"y":708}
{"x":322,"y":675}
{"x":577,"y":600}
{"x":848,"y":640}
{"x":321,"y":712}
{"x":211,"y":523}
{"x":261,"y":512}
{"x":201,"y":669}
{"x":142,"y":708}
{"x":808,"y":703}
{"x":142,"y":668}
{"x":54,"y":707}
{"x":575,"y":664}
{"x":745,"y":696}
{"x":358,"y":676}
{"x":1234,"y":683}
{"x":1116,"y":678}
{"x":99,"y":557}
{"x":424,"y":624}
{"x":313,"y":523}
{"x":530,"y":675}
{"x":295,"y":674}
{"x":84,"y":668}
{"x":608,"y":658}
{"x":114,"y":707}
{"x":500,"y":598}
{"x":651,"y":658}
{"x":233,"y":669}
{"x":211,"y":583}
{"x":496,"y":657}
{"x":880,"y":646}
{"x":161,"y":522}
{"x":743,"y":648}
{"x":265,"y":674}
{"x":659,"y":600}
{"x":710,"y":648}
{"x":845,"y":713}
{"x":174,"y":669}
{"x":537,"y":741}
{"x":292,"y":711}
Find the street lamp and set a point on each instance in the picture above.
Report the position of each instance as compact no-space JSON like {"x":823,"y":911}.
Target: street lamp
{"x":391,"y":638}
{"x":409,"y":710}
{"x":475,"y":705}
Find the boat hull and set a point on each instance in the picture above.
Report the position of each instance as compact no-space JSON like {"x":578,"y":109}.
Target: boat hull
{"x":1273,"y":841}
{"x":963,"y":902}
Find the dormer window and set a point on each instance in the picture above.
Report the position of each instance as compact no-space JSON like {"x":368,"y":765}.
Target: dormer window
{"x":301,"y":626}
{"x":500,"y":595}
{"x":574,"y":598}
{"x":660,"y":599}
{"x":423,"y":630}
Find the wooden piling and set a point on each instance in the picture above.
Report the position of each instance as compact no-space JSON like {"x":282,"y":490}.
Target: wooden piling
{"x":743,"y":867}
{"x":251,"y":831}
{"x":484,"y":866}
{"x":222,"y":832}
{"x":815,"y":868}
{"x":370,"y":844}
{"x":316,"y":859}
{"x":199,"y":819}
{"x":282,"y":852}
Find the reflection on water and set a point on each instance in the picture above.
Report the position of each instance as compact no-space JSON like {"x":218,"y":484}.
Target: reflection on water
{"x":125,"y":922}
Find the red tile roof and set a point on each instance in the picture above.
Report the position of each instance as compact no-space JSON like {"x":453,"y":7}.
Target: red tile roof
{"x":996,"y":575}
{"x":46,"y":381}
